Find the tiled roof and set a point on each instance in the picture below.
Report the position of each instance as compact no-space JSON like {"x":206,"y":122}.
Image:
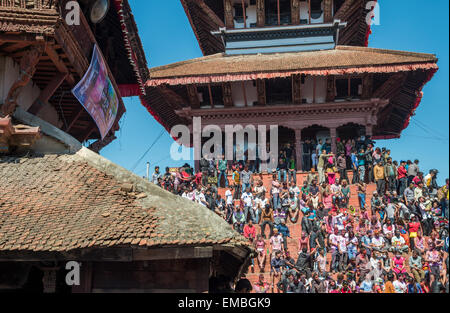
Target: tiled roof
{"x":58,"y":203}
{"x":341,"y":58}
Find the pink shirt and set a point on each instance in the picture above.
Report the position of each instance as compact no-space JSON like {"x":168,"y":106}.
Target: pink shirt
{"x":276,"y":242}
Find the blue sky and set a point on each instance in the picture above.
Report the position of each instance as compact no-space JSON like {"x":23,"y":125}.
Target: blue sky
{"x":410,"y":25}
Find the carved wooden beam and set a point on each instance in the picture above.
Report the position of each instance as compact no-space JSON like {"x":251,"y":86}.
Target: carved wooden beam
{"x":47,"y":93}
{"x":343,"y":10}
{"x":172,"y":97}
{"x":296,"y":89}
{"x":367,"y":85}
{"x":261,"y":90}
{"x":74,"y":119}
{"x":59,"y":63}
{"x":27,"y":68}
{"x":328,"y":11}
{"x":67,"y":41}
{"x":210,"y":13}
{"x":193,"y":96}
{"x":228,"y":8}
{"x":227,"y":95}
{"x":390,"y":86}
{"x":295,"y":12}
{"x":260,"y":13}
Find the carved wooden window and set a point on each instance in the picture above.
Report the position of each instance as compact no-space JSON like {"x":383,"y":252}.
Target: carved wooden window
{"x":348,"y":88}
{"x":279,"y":91}
{"x":210,"y":96}
{"x":278,"y":12}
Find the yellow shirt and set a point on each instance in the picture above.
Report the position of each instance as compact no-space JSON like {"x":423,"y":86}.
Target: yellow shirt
{"x":378,"y":172}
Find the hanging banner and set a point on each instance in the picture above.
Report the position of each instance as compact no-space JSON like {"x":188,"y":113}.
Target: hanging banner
{"x":97,"y":94}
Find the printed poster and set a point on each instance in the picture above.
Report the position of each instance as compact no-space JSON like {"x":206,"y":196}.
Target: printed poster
{"x":97,"y":94}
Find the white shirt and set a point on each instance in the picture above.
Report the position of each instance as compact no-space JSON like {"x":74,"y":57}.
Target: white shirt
{"x":399,"y":286}
{"x":186,"y":195}
{"x":229,"y":197}
{"x":398,"y":241}
{"x":295,"y":190}
{"x":247,"y":198}
{"x":378,"y":242}
{"x":342,"y":243}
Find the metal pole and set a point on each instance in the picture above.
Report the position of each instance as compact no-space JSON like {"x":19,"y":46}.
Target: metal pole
{"x":148,"y":171}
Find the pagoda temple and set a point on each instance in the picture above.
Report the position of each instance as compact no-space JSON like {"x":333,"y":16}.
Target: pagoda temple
{"x":302,"y":65}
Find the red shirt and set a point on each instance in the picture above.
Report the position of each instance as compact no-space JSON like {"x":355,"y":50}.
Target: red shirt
{"x":414,"y":227}
{"x":249,"y":232}
{"x":401,"y":171}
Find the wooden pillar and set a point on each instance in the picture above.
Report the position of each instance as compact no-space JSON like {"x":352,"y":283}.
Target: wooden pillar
{"x":295,"y":12}
{"x":49,"y":280}
{"x":193,"y":96}
{"x":245,"y":93}
{"x":210,"y":96}
{"x":296,"y":89}
{"x":260,"y":13}
{"x":229,"y":21}
{"x":298,"y":149}
{"x":261,"y":90}
{"x":244,"y":13}
{"x":278,"y":12}
{"x":369,"y":130}
{"x":331,"y":94}
{"x":328,"y":11}
{"x":227,"y":95}
{"x":367,"y":86}
{"x":85,"y":279}
{"x":314,"y":88}
{"x":333,"y":139}
{"x":309,"y":11}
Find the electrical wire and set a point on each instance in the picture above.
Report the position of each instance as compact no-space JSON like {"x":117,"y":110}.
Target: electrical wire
{"x":427,"y":128}
{"x":148,"y":150}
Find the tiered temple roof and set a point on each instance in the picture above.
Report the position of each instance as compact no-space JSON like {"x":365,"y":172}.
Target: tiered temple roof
{"x":398,"y":76}
{"x":67,"y":51}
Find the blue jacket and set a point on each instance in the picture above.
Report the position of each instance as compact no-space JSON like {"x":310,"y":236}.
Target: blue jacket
{"x":283,"y":229}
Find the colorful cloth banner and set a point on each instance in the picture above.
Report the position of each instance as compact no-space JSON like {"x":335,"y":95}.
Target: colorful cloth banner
{"x":97,"y":95}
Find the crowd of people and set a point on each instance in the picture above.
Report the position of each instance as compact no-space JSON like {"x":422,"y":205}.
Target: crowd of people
{"x":395,"y":243}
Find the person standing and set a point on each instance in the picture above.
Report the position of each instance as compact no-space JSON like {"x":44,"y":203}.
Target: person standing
{"x":246,"y":177}
{"x":402,"y":179}
{"x":354,"y":166}
{"x":307,"y":152}
{"x":380,"y":178}
{"x":342,"y":166}
{"x":362,"y":165}
{"x":362,"y":195}
{"x":413,"y":171}
{"x":222,"y":167}
{"x":237,"y":183}
{"x":323,"y":159}
{"x":267,"y":219}
{"x":247,"y":199}
{"x":156,"y":175}
{"x":390,"y":172}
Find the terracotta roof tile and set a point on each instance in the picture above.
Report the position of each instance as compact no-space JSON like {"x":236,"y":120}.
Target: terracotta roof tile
{"x":226,"y":67}
{"x":64,"y":203}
